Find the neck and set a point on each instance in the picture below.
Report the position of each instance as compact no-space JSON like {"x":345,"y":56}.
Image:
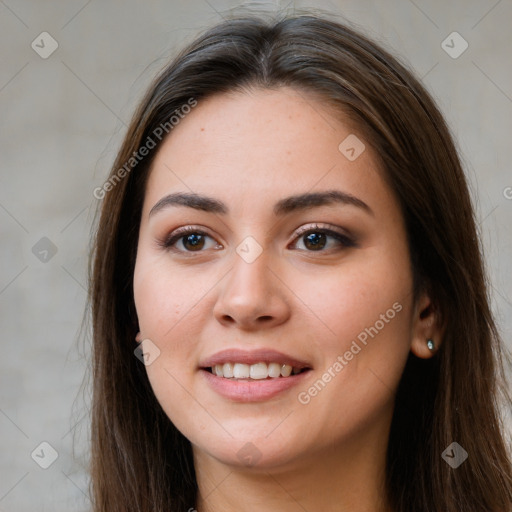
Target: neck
{"x":349,"y":478}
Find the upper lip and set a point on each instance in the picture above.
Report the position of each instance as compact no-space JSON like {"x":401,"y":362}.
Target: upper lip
{"x":263,"y":355}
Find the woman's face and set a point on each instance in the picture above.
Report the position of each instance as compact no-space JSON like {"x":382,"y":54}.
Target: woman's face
{"x":296,"y":254}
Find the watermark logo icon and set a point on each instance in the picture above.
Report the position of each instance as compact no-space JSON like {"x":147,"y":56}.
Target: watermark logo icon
{"x":147,"y":352}
{"x":44,"y":45}
{"x":44,"y":250}
{"x":249,"y":454}
{"x":454,"y":45}
{"x":249,"y":250}
{"x":454,"y":455}
{"x":351,"y":147}
{"x":44,"y":455}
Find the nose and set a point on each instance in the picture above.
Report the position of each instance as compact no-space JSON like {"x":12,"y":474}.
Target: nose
{"x":252,"y":296}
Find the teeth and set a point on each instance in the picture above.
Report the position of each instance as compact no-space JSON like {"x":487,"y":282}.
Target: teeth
{"x":241,"y":371}
{"x":286,"y":370}
{"x":274,"y":370}
{"x":227,"y":370}
{"x":256,"y":371}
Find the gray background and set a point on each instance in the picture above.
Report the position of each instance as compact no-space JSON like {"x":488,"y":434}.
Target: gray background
{"x":62,"y":119}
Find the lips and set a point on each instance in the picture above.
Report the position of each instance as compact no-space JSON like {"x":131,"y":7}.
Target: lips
{"x":247,"y":389}
{"x":252,"y":357}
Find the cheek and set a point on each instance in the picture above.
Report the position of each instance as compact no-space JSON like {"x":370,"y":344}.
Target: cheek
{"x":167,"y":316}
{"x":362,"y":316}
{"x":162,"y":295}
{"x":171,"y":305}
{"x":355,"y":298}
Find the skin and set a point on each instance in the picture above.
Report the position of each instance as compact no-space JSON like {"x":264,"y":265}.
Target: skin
{"x":251,"y":149}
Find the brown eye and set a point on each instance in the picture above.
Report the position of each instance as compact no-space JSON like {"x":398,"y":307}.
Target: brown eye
{"x":193,"y":241}
{"x":317,"y":239}
{"x":190,"y":238}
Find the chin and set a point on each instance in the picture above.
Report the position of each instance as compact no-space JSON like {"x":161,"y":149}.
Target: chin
{"x":256,"y":451}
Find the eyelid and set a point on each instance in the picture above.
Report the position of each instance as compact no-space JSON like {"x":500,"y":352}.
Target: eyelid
{"x":345,"y":238}
{"x":321,"y":227}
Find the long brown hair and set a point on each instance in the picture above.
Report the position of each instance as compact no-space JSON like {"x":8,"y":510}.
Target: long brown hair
{"x":140,"y":461}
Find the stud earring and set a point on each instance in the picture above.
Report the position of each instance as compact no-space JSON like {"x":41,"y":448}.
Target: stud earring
{"x":430,"y":344}
{"x":138,"y":338}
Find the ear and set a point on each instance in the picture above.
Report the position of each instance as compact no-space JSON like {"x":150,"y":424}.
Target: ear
{"x":426,"y":325}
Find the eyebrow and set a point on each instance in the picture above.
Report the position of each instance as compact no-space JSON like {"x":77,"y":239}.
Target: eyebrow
{"x":283,"y":207}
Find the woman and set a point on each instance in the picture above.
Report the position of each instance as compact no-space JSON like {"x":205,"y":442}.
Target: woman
{"x":289,"y":305}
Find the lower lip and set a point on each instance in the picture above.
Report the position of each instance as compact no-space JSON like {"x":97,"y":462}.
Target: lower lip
{"x":252,"y":390}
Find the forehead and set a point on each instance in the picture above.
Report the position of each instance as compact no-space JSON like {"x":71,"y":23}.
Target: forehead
{"x":262,"y":143}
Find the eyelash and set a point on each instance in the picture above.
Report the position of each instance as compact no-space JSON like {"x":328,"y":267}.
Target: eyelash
{"x":169,"y":241}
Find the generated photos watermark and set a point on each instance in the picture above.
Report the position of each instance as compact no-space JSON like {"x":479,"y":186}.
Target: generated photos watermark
{"x":304,"y":397}
{"x":158,"y":133}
